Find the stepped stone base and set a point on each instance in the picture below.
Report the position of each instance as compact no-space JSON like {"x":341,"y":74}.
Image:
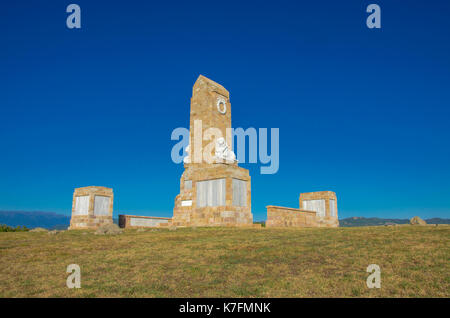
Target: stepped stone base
{"x":187,"y":211}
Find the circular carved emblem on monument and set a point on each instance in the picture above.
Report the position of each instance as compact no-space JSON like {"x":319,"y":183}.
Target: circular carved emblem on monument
{"x":221,"y":105}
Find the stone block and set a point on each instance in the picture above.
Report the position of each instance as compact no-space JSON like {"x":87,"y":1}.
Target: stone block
{"x":137,"y":221}
{"x":91,"y":207}
{"x":288,"y":217}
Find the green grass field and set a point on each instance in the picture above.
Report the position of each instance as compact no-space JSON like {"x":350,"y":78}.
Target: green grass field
{"x":229,"y":262}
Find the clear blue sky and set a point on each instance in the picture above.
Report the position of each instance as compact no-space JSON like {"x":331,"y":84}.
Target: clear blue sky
{"x":364,"y":113}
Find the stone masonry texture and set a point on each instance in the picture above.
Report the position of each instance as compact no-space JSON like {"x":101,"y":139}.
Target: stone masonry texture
{"x":90,"y":220}
{"x":290,"y":217}
{"x":205,"y":97}
{"x":126,"y":221}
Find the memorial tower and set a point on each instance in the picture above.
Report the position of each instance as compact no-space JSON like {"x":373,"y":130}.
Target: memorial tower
{"x":214,"y":190}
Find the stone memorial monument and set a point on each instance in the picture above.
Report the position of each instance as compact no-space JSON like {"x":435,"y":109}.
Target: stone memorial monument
{"x":91,"y":207}
{"x":324,"y":203}
{"x":214,"y":190}
{"x":317,"y":209}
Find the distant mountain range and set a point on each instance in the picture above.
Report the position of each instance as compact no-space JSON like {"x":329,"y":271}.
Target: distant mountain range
{"x":53,"y":221}
{"x":34,"y":219}
{"x":48,"y":220}
{"x":362,"y":221}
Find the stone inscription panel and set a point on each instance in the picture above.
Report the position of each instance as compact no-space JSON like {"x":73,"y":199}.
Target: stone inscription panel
{"x":333,"y":208}
{"x":315,"y":205}
{"x":82,"y":205}
{"x":211,"y":193}
{"x":101,"y":205}
{"x":186,"y":203}
{"x":146,"y":222}
{"x":239,"y":192}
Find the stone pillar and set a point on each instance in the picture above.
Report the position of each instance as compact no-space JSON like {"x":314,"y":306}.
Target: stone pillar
{"x":324,"y":203}
{"x":91,"y":207}
{"x":216,"y":193}
{"x":210,"y":109}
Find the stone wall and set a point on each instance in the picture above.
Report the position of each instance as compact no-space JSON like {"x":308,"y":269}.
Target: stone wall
{"x":137,"y":221}
{"x":278,"y":216}
{"x":91,"y":207}
{"x":317,"y":209}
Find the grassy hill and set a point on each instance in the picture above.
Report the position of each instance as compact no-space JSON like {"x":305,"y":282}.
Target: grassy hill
{"x":229,"y":262}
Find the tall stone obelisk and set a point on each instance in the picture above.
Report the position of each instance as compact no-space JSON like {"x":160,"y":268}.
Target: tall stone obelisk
{"x":214,"y":190}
